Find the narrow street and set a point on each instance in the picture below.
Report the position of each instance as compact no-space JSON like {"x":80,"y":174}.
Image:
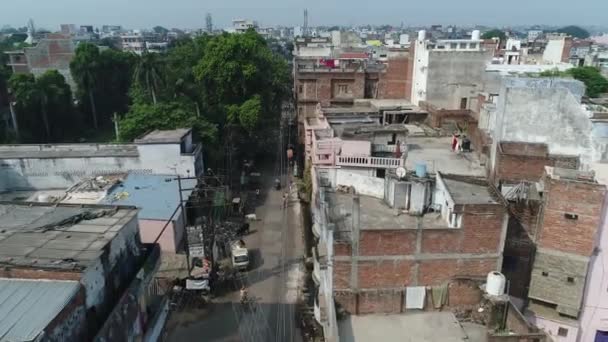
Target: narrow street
{"x":276,"y":250}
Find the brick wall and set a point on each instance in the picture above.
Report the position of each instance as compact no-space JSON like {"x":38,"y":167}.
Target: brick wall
{"x":396,"y":82}
{"x":463,"y":294}
{"x":571,"y":197}
{"x":385,"y":273}
{"x":480,"y":233}
{"x":387,"y":242}
{"x":527,"y":214}
{"x":387,"y":301}
{"x":342,"y":249}
{"x":342,"y":274}
{"x":526,"y":161}
{"x":436,"y":272}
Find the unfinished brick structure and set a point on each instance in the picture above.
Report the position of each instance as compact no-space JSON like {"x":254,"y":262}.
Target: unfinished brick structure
{"x":354,"y":78}
{"x":378,"y":254}
{"x":566,"y":239}
{"x":518,"y":166}
{"x":517,"y":161}
{"x":54,"y":52}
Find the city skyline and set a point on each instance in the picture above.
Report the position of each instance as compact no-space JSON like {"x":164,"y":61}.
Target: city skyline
{"x":191,"y":14}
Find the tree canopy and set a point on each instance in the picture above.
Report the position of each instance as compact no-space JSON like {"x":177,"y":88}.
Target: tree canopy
{"x":595,"y":83}
{"x":494,"y":33}
{"x":43,"y":107}
{"x":574,"y":31}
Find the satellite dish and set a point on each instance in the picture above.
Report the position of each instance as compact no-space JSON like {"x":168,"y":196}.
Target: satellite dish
{"x":400,"y":171}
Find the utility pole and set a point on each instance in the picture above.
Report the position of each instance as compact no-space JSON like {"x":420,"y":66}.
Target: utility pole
{"x":14,"y":119}
{"x":115,"y":119}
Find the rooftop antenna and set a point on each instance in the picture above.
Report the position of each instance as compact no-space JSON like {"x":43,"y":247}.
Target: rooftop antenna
{"x":305,"y":27}
{"x":209,"y":23}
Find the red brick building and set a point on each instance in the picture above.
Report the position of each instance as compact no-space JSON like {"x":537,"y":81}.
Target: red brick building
{"x":349,"y":76}
{"x":566,"y":239}
{"x":379,"y":251}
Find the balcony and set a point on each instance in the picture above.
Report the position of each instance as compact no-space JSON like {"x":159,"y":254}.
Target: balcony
{"x":382,"y":148}
{"x":371,"y":162}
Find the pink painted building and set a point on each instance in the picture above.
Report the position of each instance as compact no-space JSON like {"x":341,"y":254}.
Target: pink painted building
{"x":157,"y":197}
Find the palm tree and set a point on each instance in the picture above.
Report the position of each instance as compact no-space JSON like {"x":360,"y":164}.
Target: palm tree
{"x":50,"y":90}
{"x":148,"y":73}
{"x":84,"y":68}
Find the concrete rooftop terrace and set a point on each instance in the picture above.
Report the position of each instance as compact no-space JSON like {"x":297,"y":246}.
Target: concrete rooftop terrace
{"x":469,"y":193}
{"x":58,"y":236}
{"x":164,"y":137}
{"x":436,"y":153}
{"x":375,"y":214}
{"x":411,"y":327}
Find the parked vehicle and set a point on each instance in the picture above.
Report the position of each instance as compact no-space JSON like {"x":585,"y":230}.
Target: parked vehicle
{"x":240,"y":255}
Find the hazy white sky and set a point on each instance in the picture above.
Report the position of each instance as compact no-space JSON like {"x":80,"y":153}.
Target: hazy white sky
{"x":191,"y":13}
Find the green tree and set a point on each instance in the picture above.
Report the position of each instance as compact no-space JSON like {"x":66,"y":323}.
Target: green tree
{"x":85,"y":68}
{"x":55,"y":96}
{"x":237,"y":67}
{"x":46,"y":99}
{"x":574,"y":31}
{"x":248,"y":114}
{"x":494,"y":33}
{"x":149,"y":74}
{"x":165,"y":115}
{"x":595,"y":83}
{"x":25,"y":103}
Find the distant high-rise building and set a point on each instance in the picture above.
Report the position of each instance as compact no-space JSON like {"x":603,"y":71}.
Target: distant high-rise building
{"x":209,"y":23}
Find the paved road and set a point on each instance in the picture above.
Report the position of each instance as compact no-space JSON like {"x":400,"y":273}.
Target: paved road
{"x":277,"y":249}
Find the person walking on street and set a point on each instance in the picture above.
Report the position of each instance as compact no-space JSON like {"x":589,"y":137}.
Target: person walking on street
{"x":285,"y":200}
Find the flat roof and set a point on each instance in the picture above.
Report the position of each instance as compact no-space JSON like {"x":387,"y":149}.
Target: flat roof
{"x":28,"y":306}
{"x":437,"y":154}
{"x":375,"y":214}
{"x":156,"y":195}
{"x":67,"y":151}
{"x":463,"y":192}
{"x":164,"y":136}
{"x":415,"y":326}
{"x":58,"y":236}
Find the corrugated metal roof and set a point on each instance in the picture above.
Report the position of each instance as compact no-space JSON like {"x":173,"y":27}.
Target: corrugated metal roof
{"x":156,"y":195}
{"x":28,"y":306}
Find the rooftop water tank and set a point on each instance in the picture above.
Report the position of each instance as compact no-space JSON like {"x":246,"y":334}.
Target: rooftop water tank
{"x":421,"y":35}
{"x":495,"y":284}
{"x":475,"y":35}
{"x":421,"y":169}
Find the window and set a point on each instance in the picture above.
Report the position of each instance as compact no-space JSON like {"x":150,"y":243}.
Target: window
{"x":463,"y":45}
{"x":473,"y":45}
{"x":545,"y":274}
{"x":563,"y":332}
{"x":440,"y":47}
{"x":570,"y":280}
{"x":570,"y":216}
{"x":300,"y":89}
{"x":463,"y":103}
{"x":342,"y":89}
{"x":381,"y":173}
{"x":393,"y":140}
{"x":453,"y":46}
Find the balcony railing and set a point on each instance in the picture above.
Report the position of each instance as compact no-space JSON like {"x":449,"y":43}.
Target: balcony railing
{"x":381,"y":148}
{"x":374,"y":162}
